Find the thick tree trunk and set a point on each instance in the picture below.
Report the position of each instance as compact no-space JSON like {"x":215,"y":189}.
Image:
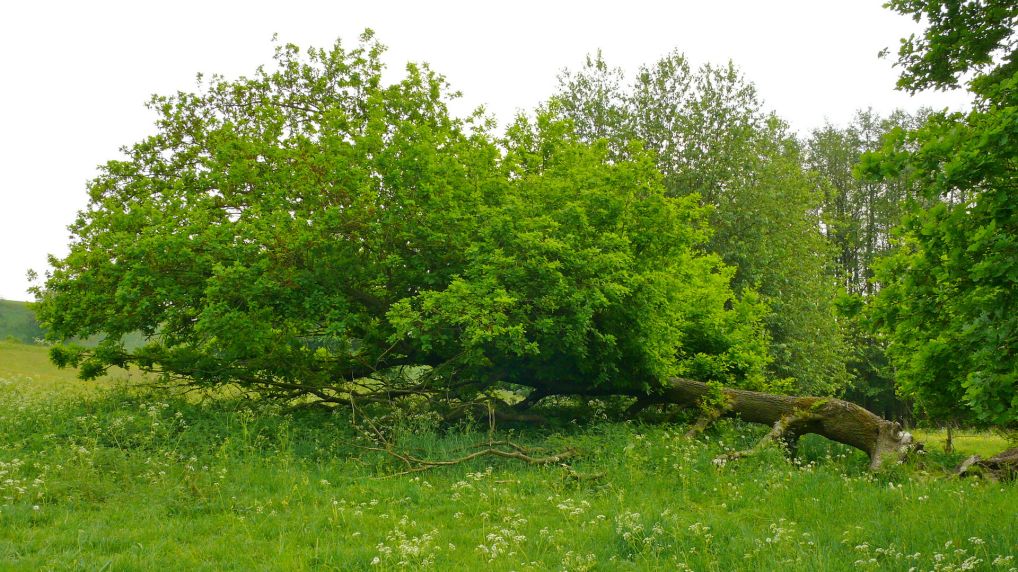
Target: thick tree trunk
{"x":791,"y":417}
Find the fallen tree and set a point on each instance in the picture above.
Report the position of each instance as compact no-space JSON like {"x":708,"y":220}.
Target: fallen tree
{"x":790,"y":417}
{"x":315,"y":233}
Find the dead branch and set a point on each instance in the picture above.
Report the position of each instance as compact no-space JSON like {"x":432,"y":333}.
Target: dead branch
{"x":417,"y":464}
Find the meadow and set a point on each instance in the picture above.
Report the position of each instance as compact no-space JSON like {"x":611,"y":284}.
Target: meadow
{"x":113,"y":475}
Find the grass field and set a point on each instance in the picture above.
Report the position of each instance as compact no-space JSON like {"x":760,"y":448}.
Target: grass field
{"x":967,"y":442}
{"x":26,"y":369}
{"x":119,"y":478}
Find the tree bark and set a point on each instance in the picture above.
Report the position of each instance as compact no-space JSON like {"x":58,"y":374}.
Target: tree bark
{"x":791,"y":417}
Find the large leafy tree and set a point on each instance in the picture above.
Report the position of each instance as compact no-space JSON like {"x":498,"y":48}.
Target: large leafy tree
{"x":313,"y":230}
{"x":948,"y":305}
{"x":711,"y":138}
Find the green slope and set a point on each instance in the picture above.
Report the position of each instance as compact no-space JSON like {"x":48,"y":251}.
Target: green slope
{"x":17,"y":321}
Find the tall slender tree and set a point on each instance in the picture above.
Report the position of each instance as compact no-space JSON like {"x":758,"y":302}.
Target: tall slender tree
{"x":858,"y":214}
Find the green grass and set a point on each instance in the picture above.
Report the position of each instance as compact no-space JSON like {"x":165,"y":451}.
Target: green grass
{"x":123,"y":479}
{"x":968,"y":442}
{"x":27,"y":369}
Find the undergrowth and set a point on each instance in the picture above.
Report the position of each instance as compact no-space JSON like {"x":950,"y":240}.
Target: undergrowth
{"x":128,"y":479}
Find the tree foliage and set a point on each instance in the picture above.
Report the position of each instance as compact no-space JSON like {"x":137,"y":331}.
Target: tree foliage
{"x":313,"y":230}
{"x":961,"y":37}
{"x":858,"y":216}
{"x":949,"y":302}
{"x":858,"y":213}
{"x":711,"y":138}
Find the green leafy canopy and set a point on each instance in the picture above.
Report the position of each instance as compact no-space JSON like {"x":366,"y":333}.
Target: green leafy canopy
{"x":949,"y":306}
{"x":311,"y":226}
{"x":711,"y":139}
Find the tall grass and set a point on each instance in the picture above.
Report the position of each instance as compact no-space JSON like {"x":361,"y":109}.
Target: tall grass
{"x":125,"y":479}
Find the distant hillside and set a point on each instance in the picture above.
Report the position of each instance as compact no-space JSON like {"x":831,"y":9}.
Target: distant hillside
{"x":17,"y":321}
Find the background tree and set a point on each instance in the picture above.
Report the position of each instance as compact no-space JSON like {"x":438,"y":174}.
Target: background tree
{"x":948,"y":302}
{"x":712,"y":139}
{"x":314,"y":231}
{"x":858,"y":215}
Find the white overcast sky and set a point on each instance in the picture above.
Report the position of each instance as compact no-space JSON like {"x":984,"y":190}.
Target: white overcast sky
{"x":75,"y":74}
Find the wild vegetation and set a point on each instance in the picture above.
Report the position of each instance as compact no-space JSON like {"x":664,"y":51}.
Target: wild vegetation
{"x":948,"y":301}
{"x":711,"y":139}
{"x":373,"y":334}
{"x":130,"y":478}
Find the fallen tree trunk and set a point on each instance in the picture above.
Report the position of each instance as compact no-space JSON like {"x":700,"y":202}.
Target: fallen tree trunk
{"x":790,"y":417}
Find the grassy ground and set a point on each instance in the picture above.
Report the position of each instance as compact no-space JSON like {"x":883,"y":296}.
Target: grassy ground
{"x":127,"y":480}
{"x":969,"y":442}
{"x":27,"y":369}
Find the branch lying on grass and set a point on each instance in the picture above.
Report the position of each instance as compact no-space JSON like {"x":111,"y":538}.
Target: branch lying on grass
{"x":707,"y":417}
{"x":1003,"y":467}
{"x":490,"y":448}
{"x":417,"y":465}
{"x":783,"y":431}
